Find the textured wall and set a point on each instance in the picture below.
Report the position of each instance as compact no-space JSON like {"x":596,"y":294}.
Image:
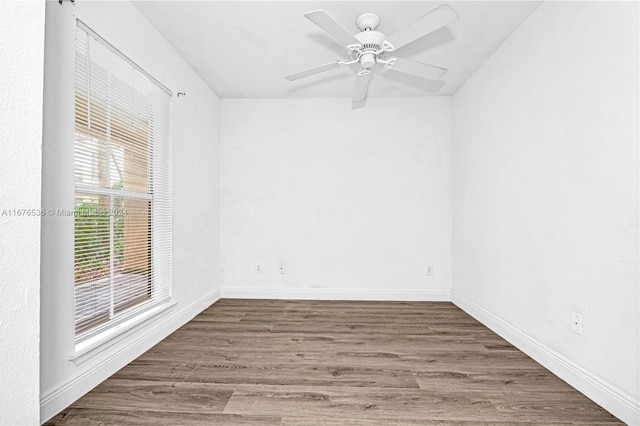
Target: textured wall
{"x":22,"y":53}
{"x":546,"y":186}
{"x":356,"y":203}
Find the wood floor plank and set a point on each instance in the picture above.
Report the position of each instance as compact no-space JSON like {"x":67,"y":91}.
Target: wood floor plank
{"x":361,"y":403}
{"x":302,"y":374}
{"x":346,"y":344}
{"x":203,"y":338}
{"x":97,"y":417}
{"x":564,"y":406}
{"x":496,"y":380}
{"x":300,"y":362}
{"x":228,"y":326}
{"x":166,"y":397}
{"x":341,"y":327}
{"x":359,"y":317}
{"x":425,"y":361}
{"x":157,"y":370}
{"x":213,"y":316}
{"x":329,"y":421}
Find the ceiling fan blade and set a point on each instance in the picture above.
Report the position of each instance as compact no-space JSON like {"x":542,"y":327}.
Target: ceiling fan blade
{"x":360,"y":88}
{"x":311,"y":71}
{"x":331,"y":26}
{"x":418,"y":69}
{"x":430,"y":22}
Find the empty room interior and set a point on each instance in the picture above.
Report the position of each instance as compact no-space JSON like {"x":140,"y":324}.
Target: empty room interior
{"x":319,"y":212}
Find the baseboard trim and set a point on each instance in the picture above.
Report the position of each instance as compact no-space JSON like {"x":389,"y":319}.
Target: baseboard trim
{"x":60,"y":397}
{"x":617,"y":402}
{"x":335,"y":294}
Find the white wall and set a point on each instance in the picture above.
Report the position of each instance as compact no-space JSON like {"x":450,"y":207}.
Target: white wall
{"x":22,"y":51}
{"x":545,"y":197}
{"x":196,"y":202}
{"x":355,"y":202}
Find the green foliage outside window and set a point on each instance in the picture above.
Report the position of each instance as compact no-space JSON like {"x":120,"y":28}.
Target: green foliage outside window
{"x":92,"y":248}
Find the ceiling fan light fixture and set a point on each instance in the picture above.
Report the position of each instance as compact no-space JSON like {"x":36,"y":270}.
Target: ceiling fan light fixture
{"x":367,"y":60}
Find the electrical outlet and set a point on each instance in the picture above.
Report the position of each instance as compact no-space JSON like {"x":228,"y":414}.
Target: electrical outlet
{"x":576,"y":323}
{"x":429,"y":270}
{"x":281,"y":267}
{"x":258,"y":268}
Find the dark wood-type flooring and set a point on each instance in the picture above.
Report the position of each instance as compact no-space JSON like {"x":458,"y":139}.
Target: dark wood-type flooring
{"x":277,"y":362}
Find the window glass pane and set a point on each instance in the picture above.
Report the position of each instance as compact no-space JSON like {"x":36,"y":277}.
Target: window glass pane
{"x":132,"y":268}
{"x":130,"y":163}
{"x":90,"y":160}
{"x":92,"y":259}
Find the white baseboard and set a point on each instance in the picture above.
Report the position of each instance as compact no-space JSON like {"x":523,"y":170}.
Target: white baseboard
{"x":617,"y":402}
{"x":60,"y":397}
{"x":335,"y":294}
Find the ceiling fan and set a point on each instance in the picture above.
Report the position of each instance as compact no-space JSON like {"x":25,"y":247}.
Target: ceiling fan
{"x":370,"y":47}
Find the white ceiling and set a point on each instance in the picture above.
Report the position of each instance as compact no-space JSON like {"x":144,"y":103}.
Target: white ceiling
{"x":243,"y":49}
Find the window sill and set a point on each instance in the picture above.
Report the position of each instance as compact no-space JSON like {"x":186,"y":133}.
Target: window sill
{"x":95,"y":345}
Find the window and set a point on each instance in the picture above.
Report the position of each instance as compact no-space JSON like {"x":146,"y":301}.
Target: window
{"x":122,"y":153}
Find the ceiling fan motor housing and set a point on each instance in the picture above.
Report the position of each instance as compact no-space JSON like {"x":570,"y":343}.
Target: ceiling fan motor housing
{"x":371,"y":47}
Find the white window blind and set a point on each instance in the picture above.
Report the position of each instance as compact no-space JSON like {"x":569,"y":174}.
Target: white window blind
{"x":122,"y":253}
